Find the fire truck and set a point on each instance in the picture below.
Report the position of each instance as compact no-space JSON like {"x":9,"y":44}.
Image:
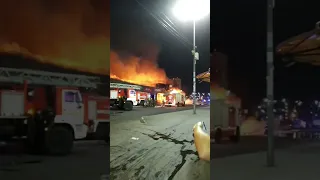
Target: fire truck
{"x":224,"y":120}
{"x":51,"y":110}
{"x":175,"y":98}
{"x":224,"y":112}
{"x":142,"y":97}
{"x":123,"y":96}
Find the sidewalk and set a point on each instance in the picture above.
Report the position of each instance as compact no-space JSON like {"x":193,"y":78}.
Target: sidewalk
{"x":297,"y":163}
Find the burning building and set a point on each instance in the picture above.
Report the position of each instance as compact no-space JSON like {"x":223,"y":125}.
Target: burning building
{"x":176,"y":83}
{"x":58,"y":33}
{"x":136,"y":70}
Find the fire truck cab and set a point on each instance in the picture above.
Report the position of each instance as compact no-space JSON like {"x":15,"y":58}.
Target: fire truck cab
{"x":118,"y":91}
{"x":175,"y":98}
{"x":51,"y":110}
{"x":142,"y":97}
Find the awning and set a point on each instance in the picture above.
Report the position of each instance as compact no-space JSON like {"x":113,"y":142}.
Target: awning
{"x":303,"y":48}
{"x":205,"y":76}
{"x":217,"y":92}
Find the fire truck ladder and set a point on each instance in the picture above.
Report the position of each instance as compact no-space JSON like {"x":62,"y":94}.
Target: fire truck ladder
{"x":125,"y":86}
{"x":47,"y":78}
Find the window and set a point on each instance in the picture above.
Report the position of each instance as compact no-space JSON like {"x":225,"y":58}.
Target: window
{"x":69,"y":96}
{"x":132,"y":92}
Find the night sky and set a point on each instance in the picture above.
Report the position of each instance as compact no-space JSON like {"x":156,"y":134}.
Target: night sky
{"x":238,"y":29}
{"x":134,"y":29}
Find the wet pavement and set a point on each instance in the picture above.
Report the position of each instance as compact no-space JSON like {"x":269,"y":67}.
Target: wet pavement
{"x":157,"y":147}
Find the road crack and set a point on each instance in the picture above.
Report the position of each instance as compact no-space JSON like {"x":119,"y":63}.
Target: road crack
{"x":168,"y":138}
{"x":183,"y":153}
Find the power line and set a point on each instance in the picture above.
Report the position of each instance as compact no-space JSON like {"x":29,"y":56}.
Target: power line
{"x":166,"y":23}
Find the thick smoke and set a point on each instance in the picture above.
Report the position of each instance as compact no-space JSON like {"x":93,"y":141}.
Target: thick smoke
{"x":135,"y":51}
{"x":76,"y":35}
{"x":73,"y":34}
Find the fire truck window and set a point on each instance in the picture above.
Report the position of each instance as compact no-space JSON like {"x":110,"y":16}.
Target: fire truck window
{"x":132,"y":92}
{"x":78,"y":98}
{"x":69,"y":96}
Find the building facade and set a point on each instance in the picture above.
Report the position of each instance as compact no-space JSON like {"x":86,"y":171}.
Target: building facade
{"x":176,"y":83}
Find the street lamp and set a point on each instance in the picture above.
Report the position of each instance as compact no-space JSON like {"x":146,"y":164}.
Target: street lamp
{"x":192,"y":10}
{"x":270,"y":77}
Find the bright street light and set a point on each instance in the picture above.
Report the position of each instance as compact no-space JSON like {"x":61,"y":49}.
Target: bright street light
{"x":192,"y":10}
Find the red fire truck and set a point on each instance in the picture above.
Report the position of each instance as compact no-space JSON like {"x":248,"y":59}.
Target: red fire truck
{"x":224,"y":112}
{"x":134,"y":95}
{"x":224,"y":120}
{"x":175,"y":98}
{"x":120,"y":90}
{"x":142,"y":97}
{"x":51,"y":110}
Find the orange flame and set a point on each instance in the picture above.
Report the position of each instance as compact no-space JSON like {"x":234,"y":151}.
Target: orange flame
{"x":175,"y":90}
{"x":136,"y":70}
{"x":73,"y":36}
{"x":63,"y":33}
{"x":97,"y":65}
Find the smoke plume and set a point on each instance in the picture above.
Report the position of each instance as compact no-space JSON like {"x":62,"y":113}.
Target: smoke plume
{"x":68,"y":33}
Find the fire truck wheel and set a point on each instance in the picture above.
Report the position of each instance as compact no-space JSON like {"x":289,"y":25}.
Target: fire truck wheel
{"x":218,"y":136}
{"x":128,"y":106}
{"x":31,"y":134}
{"x":59,"y":140}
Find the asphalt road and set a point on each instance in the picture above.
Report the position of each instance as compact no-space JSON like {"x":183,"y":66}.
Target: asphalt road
{"x":156,"y":147}
{"x":295,"y":163}
{"x":90,"y":160}
{"x":250,"y":144}
{"x":138,"y":112}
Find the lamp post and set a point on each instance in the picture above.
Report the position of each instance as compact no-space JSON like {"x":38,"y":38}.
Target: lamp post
{"x":192,"y":10}
{"x":270,"y":78}
{"x":195,"y":58}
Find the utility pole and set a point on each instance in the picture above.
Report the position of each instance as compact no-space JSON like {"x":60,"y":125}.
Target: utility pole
{"x":270,"y":78}
{"x":195,"y":58}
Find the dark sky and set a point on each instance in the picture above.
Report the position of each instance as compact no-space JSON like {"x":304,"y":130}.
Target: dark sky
{"x":238,"y":28}
{"x":134,"y":30}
